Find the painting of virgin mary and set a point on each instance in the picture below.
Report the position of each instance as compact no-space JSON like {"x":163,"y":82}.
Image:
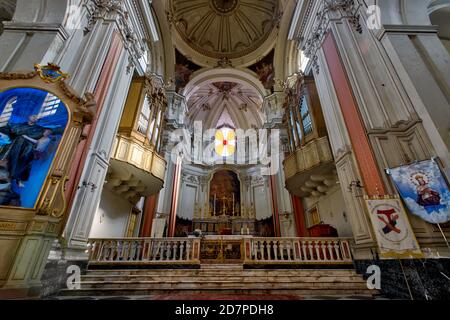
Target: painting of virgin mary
{"x":424,"y":190}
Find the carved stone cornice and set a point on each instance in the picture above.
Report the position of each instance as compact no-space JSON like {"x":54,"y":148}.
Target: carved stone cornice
{"x":293,"y":90}
{"x":114,"y":9}
{"x":155,"y":89}
{"x":328,"y":11}
{"x":101,"y":9}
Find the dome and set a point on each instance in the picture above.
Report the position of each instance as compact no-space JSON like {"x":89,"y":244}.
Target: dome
{"x":224,"y":28}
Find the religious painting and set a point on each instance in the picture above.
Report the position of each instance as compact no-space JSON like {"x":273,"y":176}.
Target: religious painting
{"x":184,"y":69}
{"x":225,"y":194}
{"x":424,"y":190}
{"x":32,"y":122}
{"x":266,"y":71}
{"x":393,"y":231}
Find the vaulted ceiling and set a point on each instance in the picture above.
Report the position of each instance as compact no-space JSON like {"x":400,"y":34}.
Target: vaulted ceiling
{"x":226,"y":103}
{"x":214,"y":37}
{"x":224,"y":28}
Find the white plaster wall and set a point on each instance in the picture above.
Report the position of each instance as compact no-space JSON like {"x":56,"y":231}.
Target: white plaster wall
{"x":112,"y":216}
{"x":331,"y":210}
{"x":446,"y":44}
{"x":262,"y":198}
{"x":187,"y":201}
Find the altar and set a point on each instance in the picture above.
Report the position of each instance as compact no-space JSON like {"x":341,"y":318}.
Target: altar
{"x":224,"y":213}
{"x":225,"y":226}
{"x":222,"y":249}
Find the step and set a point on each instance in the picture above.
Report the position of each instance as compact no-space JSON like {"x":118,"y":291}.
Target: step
{"x":222,"y":267}
{"x":203,"y":283}
{"x":245,"y":272}
{"x":263,"y":278}
{"x":221,"y":279}
{"x":146,"y":292}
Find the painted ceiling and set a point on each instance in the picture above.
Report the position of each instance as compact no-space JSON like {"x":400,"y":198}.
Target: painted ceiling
{"x":224,"y":28}
{"x":227,"y":103}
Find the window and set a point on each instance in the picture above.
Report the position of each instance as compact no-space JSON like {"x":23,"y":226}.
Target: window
{"x":7,"y":112}
{"x":225,"y":142}
{"x":50,"y":106}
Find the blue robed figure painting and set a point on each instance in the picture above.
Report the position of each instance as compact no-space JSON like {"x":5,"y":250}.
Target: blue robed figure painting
{"x":424,"y":190}
{"x":32,"y":122}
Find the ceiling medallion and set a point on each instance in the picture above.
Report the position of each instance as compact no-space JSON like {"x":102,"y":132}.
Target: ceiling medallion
{"x":224,"y":6}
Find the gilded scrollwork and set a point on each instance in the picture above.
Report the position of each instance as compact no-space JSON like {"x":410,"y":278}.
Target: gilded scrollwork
{"x":51,"y":201}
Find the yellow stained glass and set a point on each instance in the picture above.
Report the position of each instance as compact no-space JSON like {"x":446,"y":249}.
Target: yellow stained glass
{"x":225,"y":142}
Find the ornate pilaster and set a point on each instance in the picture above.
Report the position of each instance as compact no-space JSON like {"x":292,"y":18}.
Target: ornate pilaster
{"x":325,"y":12}
{"x":115,"y":10}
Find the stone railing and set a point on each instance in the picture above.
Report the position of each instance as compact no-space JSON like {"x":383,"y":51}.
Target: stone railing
{"x":297,"y":250}
{"x":249,"y":250}
{"x":144,"y":251}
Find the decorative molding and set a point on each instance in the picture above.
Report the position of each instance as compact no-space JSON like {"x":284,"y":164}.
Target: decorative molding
{"x":112,"y":9}
{"x":348,"y":9}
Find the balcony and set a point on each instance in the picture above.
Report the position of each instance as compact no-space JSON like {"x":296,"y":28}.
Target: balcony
{"x":309,"y":170}
{"x":136,"y":167}
{"x":136,"y":170}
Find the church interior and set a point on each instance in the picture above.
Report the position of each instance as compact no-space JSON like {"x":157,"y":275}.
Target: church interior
{"x":175,"y":148}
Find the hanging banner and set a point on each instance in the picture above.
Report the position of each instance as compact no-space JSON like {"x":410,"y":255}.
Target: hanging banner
{"x":424,"y":190}
{"x":393,"y":231}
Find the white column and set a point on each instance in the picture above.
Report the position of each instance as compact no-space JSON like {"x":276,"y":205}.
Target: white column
{"x":35,"y":35}
{"x":87,"y":197}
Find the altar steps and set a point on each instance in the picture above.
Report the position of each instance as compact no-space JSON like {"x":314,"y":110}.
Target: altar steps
{"x":221,"y":280}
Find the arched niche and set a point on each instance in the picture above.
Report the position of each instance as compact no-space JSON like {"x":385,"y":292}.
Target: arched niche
{"x":225,"y":193}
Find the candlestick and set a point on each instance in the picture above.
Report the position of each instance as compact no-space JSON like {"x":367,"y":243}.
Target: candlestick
{"x":233,"y":204}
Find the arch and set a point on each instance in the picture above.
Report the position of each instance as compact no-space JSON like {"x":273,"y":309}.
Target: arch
{"x":286,"y":50}
{"x":235,"y":174}
{"x":235,"y":75}
{"x":439,"y":12}
{"x":247,"y":90}
{"x":404,"y":12}
{"x":164,"y":54}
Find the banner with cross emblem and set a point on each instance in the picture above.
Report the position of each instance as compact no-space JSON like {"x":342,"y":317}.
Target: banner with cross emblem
{"x":393,"y":231}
